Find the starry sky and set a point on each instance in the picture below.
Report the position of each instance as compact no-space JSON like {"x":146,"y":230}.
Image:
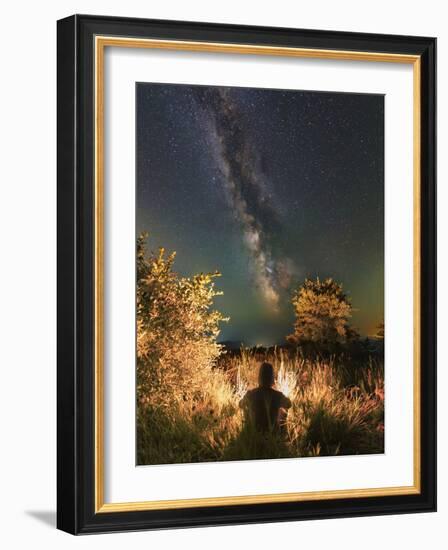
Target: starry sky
{"x":267,"y":187}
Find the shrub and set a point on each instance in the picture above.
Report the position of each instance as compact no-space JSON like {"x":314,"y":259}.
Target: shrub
{"x":322,"y":313}
{"x":176,"y":330}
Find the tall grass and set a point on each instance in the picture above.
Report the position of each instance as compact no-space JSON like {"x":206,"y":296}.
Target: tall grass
{"x":337,"y":409}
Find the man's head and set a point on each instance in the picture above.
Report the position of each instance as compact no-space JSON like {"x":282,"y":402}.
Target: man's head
{"x":266,"y":375}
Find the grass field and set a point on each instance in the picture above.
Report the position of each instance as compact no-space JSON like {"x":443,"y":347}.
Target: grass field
{"x":337,"y":409}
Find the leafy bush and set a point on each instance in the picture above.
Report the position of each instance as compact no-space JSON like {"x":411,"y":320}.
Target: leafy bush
{"x":322,"y":313}
{"x":176,"y":330}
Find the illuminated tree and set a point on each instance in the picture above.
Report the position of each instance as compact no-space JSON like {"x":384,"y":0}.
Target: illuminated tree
{"x":176,"y":329}
{"x":322,"y":313}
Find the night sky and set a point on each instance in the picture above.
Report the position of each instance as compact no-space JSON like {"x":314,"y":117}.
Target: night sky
{"x":268,"y":187}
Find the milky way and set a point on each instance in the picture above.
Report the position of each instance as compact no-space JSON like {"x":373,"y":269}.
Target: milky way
{"x":245,"y":186}
{"x":267,"y":187}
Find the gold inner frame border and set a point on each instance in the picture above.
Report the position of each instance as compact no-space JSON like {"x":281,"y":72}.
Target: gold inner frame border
{"x":100,"y":43}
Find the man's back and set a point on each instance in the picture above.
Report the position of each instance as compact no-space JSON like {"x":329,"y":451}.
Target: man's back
{"x":263,"y":405}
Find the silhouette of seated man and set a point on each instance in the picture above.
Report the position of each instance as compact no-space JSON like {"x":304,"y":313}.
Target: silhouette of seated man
{"x":263,"y":405}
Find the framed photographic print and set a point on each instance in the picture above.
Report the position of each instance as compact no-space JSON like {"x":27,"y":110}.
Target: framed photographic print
{"x":246,"y":274}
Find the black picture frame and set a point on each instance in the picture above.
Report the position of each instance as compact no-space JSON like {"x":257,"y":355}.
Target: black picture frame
{"x":76,"y":271}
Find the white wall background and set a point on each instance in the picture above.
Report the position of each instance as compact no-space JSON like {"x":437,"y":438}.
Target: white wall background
{"x":27,"y":289}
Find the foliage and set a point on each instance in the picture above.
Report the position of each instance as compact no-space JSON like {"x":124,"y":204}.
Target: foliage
{"x":188,"y":389}
{"x":176,"y":330}
{"x":322,"y":313}
{"x":338,"y":409}
{"x":195,"y":430}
